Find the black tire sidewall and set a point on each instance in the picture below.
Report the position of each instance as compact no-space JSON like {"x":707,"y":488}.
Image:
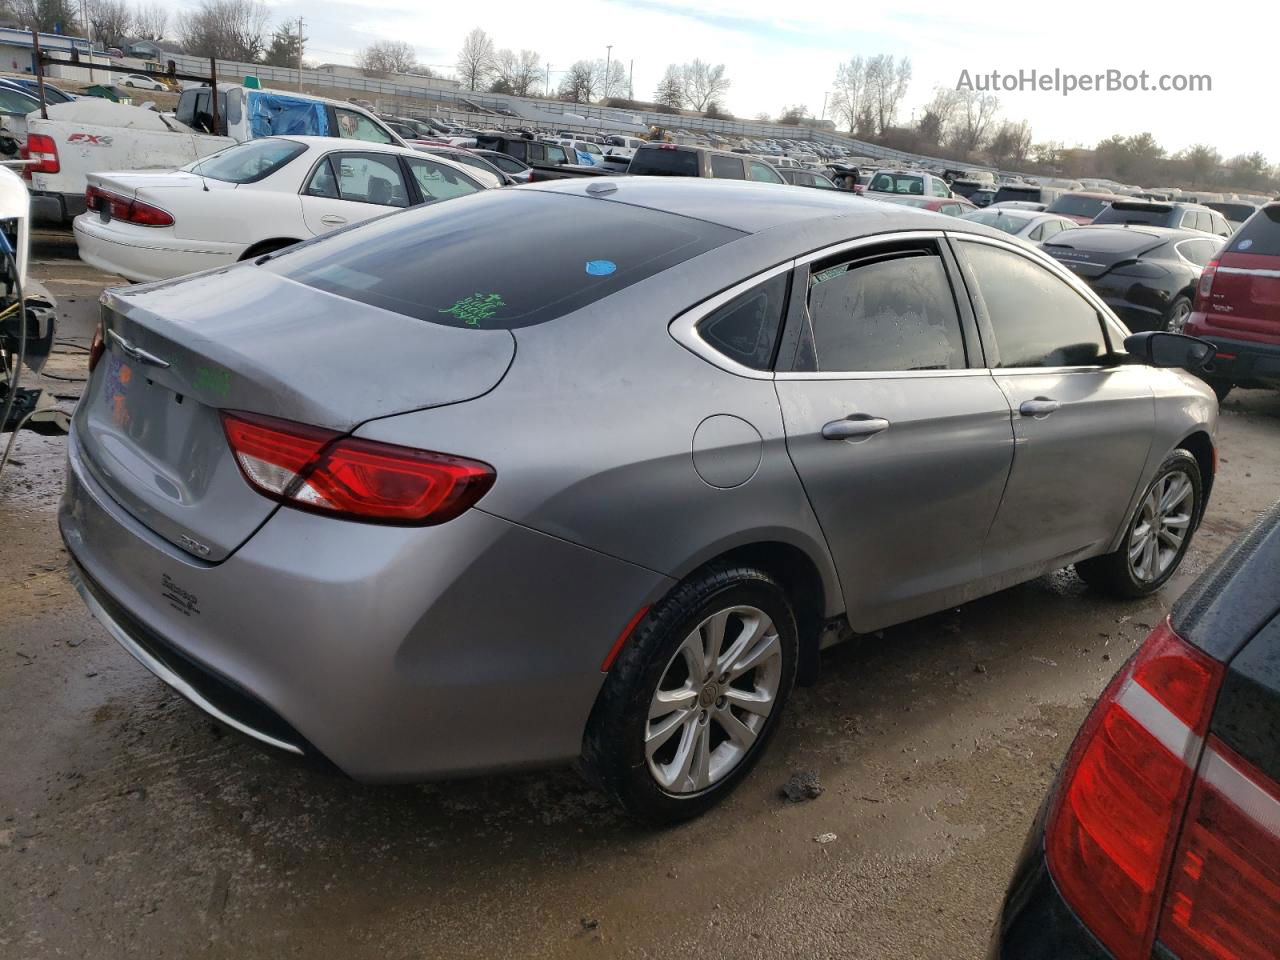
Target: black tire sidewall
{"x":1178,"y":461}
{"x":613,"y":748}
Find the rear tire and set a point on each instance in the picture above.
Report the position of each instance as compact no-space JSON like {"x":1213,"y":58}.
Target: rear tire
{"x":1158,"y":534}
{"x":666,"y":765}
{"x":1175,"y":318}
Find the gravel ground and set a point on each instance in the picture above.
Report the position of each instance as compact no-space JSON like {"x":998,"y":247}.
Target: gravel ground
{"x":133,"y":826}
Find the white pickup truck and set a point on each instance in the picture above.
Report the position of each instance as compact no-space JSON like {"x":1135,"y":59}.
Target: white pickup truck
{"x":94,"y":135}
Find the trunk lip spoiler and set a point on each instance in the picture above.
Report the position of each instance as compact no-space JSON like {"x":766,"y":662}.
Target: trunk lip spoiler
{"x":135,"y":352}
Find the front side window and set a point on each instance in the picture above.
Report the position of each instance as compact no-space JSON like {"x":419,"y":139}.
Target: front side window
{"x":940,"y":189}
{"x":763,"y":173}
{"x":438,"y":182}
{"x":746,"y":328}
{"x":356,"y":126}
{"x":885,"y":312}
{"x":556,"y":155}
{"x":726,"y":168}
{"x":1037,"y":319}
{"x":363,"y":178}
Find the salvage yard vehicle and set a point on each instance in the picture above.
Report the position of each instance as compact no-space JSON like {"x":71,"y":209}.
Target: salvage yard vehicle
{"x":1081,"y":207}
{"x":1184,"y":216}
{"x":1147,"y":275}
{"x":1235,"y":211}
{"x":91,"y":134}
{"x":908,"y":183}
{"x":253,"y":199}
{"x":1029,"y":225}
{"x":806,"y":178}
{"x":951,"y":206}
{"x":673,"y":160}
{"x":1237,"y":306}
{"x":416,"y":470}
{"x":1161,"y":834}
{"x":546,"y":161}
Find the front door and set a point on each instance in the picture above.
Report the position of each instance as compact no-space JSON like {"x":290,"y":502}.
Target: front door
{"x":900,"y":436}
{"x":1083,"y":424}
{"x":347,"y":187}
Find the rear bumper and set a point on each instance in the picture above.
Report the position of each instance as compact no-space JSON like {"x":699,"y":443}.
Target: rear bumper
{"x":395,"y":653}
{"x":56,"y":208}
{"x":1239,"y":361}
{"x":132,"y":254}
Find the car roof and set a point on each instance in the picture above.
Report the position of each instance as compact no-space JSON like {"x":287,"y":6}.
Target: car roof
{"x":758,"y":207}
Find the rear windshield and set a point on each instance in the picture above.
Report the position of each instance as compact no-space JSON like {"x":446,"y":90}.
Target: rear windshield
{"x":1018,"y":193}
{"x":1079,"y":206}
{"x":1134,"y":213}
{"x":896,"y":183}
{"x":1104,"y":241}
{"x":1235,"y":212}
{"x":248,"y":162}
{"x":462,"y":265}
{"x":1261,"y":235}
{"x":664,"y":162}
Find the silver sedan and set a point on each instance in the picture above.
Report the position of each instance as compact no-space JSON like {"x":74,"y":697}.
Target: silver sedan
{"x":591,"y":470}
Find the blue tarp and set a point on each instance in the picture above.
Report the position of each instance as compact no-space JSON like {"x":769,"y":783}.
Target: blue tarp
{"x":271,"y":114}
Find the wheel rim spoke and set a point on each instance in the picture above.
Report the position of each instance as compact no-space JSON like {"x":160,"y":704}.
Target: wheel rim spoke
{"x":737,"y":731}
{"x":665,"y":701}
{"x":767,"y":647}
{"x":752,"y":627}
{"x":753,"y":701}
{"x":660,"y":733}
{"x":1161,"y":528}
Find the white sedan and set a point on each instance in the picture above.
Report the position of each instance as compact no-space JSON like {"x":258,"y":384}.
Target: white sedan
{"x":144,"y":83}
{"x":254,"y":198}
{"x":1031,"y":226}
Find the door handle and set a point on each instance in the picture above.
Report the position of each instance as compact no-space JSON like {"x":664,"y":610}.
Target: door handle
{"x":1039,"y":407}
{"x":856,"y":427}
{"x":333,"y":220}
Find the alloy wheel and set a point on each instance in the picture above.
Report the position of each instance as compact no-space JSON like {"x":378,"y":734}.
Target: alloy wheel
{"x":713,"y":700}
{"x":1177,"y":321}
{"x":1161,"y":526}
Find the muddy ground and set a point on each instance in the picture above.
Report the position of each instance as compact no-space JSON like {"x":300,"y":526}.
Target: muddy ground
{"x":132,"y":826}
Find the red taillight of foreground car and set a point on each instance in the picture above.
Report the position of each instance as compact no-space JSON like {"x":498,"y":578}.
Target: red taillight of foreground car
{"x":1124,"y":790}
{"x":122,"y":208}
{"x":327,"y":472}
{"x":1206,"y":284}
{"x":44,"y":151}
{"x":1224,"y":893}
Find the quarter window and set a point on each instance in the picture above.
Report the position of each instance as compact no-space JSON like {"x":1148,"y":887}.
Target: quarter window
{"x":1038,"y":320}
{"x":885,"y":312}
{"x":746,"y":328}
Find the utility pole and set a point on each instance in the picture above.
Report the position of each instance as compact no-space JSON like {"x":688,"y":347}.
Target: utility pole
{"x":824,"y":107}
{"x":608,"y":57}
{"x":631,"y":82}
{"x":546,"y":92}
{"x":299,"y":54}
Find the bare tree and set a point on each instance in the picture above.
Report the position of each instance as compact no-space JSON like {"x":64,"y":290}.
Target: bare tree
{"x":48,"y":16}
{"x":1202,"y":160}
{"x":851,"y":81}
{"x":226,"y":29}
{"x":580,"y":82}
{"x":386,"y":57}
{"x":704,"y":84}
{"x":150,"y":21}
{"x":938,"y":117}
{"x":613,"y":79}
{"x":974,"y":118}
{"x":110,"y":20}
{"x":670,"y":91}
{"x":886,"y":85}
{"x":476,"y":59}
{"x":520,"y":73}
{"x":1011,"y":143}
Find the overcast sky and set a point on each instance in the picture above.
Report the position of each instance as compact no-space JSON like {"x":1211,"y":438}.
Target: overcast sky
{"x":777,"y":55}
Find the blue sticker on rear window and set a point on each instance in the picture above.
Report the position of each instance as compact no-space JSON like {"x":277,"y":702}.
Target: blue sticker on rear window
{"x":1244,"y":244}
{"x":601,"y":268}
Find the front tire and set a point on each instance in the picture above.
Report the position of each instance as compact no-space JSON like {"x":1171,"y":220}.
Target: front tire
{"x":1175,"y":318}
{"x":1158,"y":535}
{"x":695,"y":696}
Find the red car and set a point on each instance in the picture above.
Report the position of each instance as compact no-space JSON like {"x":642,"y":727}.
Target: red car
{"x":953,"y":206}
{"x":1238,"y":306}
{"x":1081,"y":207}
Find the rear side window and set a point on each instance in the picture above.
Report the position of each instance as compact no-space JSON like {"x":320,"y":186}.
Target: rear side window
{"x":248,"y":162}
{"x":462,"y":265}
{"x":1038,"y":320}
{"x":746,"y":328}
{"x":881,"y":312}
{"x":727,"y":168}
{"x":664,"y":162}
{"x":1260,"y":235}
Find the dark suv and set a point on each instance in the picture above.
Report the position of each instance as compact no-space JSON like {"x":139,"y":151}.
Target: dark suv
{"x":1238,"y":306}
{"x":674,"y":160}
{"x":1186,"y":216}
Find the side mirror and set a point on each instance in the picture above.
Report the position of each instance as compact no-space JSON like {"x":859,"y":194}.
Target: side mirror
{"x":1159,"y":349}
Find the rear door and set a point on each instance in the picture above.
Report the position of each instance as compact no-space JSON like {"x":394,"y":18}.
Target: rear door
{"x":1082,"y":426}
{"x":900,"y":436}
{"x":347,"y":187}
{"x":1245,"y":296}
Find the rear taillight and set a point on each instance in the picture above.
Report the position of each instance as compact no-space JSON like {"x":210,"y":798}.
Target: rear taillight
{"x":1124,"y":789}
{"x":327,"y":472}
{"x":123,"y":208}
{"x":1224,"y":893}
{"x":1206,"y":284}
{"x":42,"y":149}
{"x":97,"y":347}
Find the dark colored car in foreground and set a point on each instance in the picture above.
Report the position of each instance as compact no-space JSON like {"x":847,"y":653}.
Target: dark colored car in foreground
{"x":1238,"y":306}
{"x":1184,"y":216}
{"x":1147,"y":275}
{"x":1161,"y":837}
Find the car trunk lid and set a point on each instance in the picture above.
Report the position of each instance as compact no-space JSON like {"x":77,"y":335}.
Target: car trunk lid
{"x":128,"y":185}
{"x":179,"y":352}
{"x":1091,"y":252}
